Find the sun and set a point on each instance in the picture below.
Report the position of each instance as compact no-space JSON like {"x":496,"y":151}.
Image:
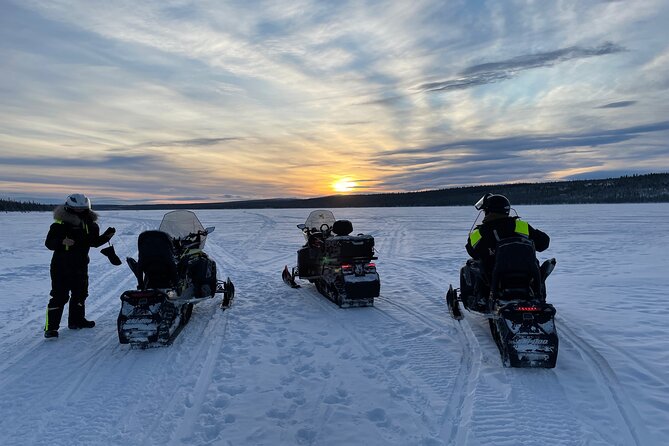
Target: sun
{"x":344,"y":185}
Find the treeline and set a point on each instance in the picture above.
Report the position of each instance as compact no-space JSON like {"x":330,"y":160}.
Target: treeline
{"x":7,"y":205}
{"x":628,"y":189}
{"x":647,"y":188}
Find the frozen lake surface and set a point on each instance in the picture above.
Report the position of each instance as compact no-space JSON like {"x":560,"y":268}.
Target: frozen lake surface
{"x":285,"y":366}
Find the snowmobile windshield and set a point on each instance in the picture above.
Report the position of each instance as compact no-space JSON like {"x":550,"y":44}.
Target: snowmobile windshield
{"x":318,"y":218}
{"x":179,"y":224}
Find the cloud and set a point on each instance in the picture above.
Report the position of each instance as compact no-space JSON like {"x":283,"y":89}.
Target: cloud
{"x":619,"y":104}
{"x":199,"y":142}
{"x":515,"y":158}
{"x":106,"y":161}
{"x":534,"y":142}
{"x":491,"y":72}
{"x":130,"y":162}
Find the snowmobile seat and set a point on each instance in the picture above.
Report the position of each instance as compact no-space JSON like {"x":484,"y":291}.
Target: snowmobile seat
{"x":156,"y":259}
{"x":342,"y":227}
{"x":516,"y":272}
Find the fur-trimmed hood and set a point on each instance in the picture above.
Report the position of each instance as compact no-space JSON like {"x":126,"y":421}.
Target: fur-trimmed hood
{"x":62,"y":214}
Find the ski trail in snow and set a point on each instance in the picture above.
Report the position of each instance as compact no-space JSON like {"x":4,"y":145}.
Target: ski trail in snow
{"x":461,"y":408}
{"x":455,"y":406}
{"x":385,"y":361}
{"x":454,"y":412}
{"x":210,"y":350}
{"x":509,"y":403}
{"x":609,"y":384}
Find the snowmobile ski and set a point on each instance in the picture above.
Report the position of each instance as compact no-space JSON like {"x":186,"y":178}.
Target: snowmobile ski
{"x":289,"y":278}
{"x":228,"y":290}
{"x":453,"y":304}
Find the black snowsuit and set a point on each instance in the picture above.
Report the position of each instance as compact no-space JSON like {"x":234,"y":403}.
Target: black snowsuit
{"x":481,"y":245}
{"x":69,"y":264}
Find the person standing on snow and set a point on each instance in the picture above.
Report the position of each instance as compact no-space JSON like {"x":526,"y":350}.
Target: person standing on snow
{"x":482,"y":242}
{"x":70,"y":237}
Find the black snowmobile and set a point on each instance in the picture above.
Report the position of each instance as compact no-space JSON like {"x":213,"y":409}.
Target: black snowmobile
{"x":513,"y":299}
{"x":339,"y":264}
{"x":173,"y":273}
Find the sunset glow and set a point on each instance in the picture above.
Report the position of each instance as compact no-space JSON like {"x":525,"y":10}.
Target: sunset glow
{"x":344,"y":185}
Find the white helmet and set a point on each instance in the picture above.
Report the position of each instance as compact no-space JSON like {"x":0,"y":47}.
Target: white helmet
{"x":78,"y":202}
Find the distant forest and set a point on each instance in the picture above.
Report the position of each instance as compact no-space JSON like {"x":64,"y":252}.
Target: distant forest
{"x":22,"y":206}
{"x":627,"y":189}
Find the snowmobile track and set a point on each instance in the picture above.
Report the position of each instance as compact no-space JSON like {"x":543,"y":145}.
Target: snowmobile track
{"x":396,"y":380}
{"x":457,"y":406}
{"x":614,"y":390}
{"x":209,"y":351}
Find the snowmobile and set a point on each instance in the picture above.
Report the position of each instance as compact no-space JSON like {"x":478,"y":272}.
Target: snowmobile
{"x":173,"y":274}
{"x":513,"y":299}
{"x":339,"y":264}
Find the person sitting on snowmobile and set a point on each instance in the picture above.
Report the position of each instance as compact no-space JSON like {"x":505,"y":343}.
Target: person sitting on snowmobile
{"x":482,"y":242}
{"x":71,"y":235}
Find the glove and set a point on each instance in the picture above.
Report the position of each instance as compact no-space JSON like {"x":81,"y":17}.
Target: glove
{"x":111,"y":254}
{"x":109,"y":232}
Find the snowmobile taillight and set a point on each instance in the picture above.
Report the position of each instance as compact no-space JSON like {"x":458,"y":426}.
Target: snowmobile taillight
{"x":529,"y":308}
{"x":347,"y":268}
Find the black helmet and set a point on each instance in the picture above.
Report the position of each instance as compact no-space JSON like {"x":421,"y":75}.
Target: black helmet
{"x":497,"y":204}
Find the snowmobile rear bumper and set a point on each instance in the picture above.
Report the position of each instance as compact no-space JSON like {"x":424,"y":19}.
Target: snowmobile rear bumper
{"x":525,"y":334}
{"x":362,"y":287}
{"x":148,"y":317}
{"x":360,"y":291}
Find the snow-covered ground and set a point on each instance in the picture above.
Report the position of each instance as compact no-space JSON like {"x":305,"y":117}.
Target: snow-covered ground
{"x":285,"y":366}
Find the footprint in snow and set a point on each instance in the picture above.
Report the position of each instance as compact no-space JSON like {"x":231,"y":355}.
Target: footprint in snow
{"x":305,"y":436}
{"x":378,"y":417}
{"x":341,"y":397}
{"x":232,"y":390}
{"x":305,"y":370}
{"x":296,"y":396}
{"x":390,"y":352}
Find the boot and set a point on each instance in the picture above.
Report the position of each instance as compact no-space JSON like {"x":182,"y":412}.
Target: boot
{"x":83,"y":323}
{"x":76,"y":319}
{"x":50,"y":333}
{"x":53,"y":316}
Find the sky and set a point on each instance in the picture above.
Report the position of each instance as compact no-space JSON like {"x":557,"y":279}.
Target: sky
{"x":178,"y":101}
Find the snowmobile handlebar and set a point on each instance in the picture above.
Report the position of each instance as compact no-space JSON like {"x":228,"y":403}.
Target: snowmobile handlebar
{"x":191,"y":240}
{"x":325,"y":228}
